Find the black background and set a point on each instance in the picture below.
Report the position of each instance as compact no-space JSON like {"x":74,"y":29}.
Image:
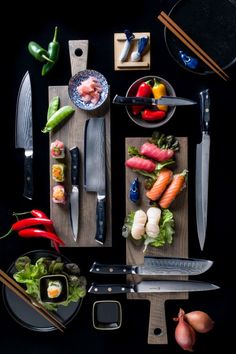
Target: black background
{"x":97,"y":23}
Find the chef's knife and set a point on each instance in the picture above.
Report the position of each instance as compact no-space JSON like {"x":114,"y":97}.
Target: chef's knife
{"x":74,"y":195}
{"x":156,"y":266}
{"x":153,"y":286}
{"x":95,"y":170}
{"x":164,"y":100}
{"x":202,"y":169}
{"x":24,"y":132}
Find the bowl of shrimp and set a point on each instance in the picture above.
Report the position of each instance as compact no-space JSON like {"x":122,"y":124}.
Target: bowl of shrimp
{"x":88,"y":89}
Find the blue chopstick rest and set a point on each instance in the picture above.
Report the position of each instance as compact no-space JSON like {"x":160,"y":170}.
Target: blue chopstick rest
{"x":188,"y":61}
{"x":134,"y":194}
{"x":125,"y":51}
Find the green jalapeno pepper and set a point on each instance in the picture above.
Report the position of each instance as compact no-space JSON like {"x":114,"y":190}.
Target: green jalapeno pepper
{"x":53,"y":52}
{"x":57,"y":118}
{"x":53,"y":106}
{"x":38,"y":52}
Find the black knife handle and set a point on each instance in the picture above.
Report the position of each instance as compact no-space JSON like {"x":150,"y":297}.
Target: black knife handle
{"x":101,"y":221}
{"x":99,"y":268}
{"x":138,"y":101}
{"x":28,"y":176}
{"x":74,"y":152}
{"x":110,"y":289}
{"x":205,"y":110}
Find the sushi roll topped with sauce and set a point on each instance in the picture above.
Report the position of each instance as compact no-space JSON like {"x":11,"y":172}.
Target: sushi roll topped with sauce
{"x":54,"y":289}
{"x":57,"y":149}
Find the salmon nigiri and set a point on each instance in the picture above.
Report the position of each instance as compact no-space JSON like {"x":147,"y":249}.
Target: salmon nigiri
{"x":163,"y":179}
{"x":174,"y":188}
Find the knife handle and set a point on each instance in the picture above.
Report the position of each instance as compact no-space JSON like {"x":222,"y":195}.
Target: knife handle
{"x":74,"y":152}
{"x":205,"y":110}
{"x":99,"y":268}
{"x":28,"y":176}
{"x":110,"y":289}
{"x":101,"y":220}
{"x":138,"y":101}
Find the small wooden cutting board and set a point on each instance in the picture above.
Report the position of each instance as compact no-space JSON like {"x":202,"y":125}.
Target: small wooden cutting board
{"x":157,"y":331}
{"x":71,"y":133}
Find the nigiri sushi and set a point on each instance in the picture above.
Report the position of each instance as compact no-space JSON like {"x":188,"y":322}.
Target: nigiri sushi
{"x":58,"y":194}
{"x":54,"y":289}
{"x":58,"y":172}
{"x":57,"y":149}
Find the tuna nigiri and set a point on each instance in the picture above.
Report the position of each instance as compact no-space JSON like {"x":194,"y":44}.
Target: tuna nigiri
{"x":154,"y":152}
{"x":139,"y":163}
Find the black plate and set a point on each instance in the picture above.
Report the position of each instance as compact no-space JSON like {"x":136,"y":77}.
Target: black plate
{"x":24,"y":314}
{"x":211,"y":24}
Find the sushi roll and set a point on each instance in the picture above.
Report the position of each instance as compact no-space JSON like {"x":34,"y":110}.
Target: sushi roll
{"x":54,"y":289}
{"x":58,"y":172}
{"x":57,"y":149}
{"x":58,"y":194}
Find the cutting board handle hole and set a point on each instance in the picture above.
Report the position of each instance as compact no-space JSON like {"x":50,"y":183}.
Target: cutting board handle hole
{"x":78,"y":52}
{"x":157,"y":331}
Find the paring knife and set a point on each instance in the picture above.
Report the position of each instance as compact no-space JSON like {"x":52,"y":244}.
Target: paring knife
{"x":74,"y":195}
{"x":95,"y":170}
{"x":164,"y":100}
{"x":156,"y":266}
{"x":202,"y":169}
{"x":153,"y":286}
{"x":24,"y":132}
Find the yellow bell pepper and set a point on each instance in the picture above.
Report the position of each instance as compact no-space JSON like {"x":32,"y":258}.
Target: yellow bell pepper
{"x":159,"y":90}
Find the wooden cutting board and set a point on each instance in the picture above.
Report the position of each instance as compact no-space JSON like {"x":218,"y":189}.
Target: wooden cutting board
{"x":157,"y":331}
{"x":71,"y":133}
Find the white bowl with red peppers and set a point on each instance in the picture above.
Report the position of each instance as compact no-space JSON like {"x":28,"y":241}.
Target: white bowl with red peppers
{"x":150,"y":116}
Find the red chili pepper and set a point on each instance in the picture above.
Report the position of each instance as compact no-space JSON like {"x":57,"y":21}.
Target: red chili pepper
{"x":147,"y":114}
{"x":50,"y":228}
{"x":40,"y":233}
{"x":21,"y":224}
{"x":144,"y":90}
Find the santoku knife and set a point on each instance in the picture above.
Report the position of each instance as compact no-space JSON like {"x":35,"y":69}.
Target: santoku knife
{"x":156,"y":266}
{"x":74,"y":195}
{"x":164,"y":100}
{"x":153,"y":286}
{"x":24,"y":132}
{"x":202,"y":169}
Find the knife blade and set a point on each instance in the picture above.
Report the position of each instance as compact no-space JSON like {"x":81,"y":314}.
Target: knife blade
{"x":164,"y":100}
{"x":156,"y":266}
{"x":153,"y":286}
{"x":202,"y":169}
{"x":74,"y":195}
{"x":24,"y":132}
{"x":95,"y":171}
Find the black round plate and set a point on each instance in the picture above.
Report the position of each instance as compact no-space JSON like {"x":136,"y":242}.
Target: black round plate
{"x":24,"y":314}
{"x":211,"y":24}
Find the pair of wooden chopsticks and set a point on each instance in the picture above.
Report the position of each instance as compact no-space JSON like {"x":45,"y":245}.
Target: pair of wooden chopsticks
{"x":194,"y":47}
{"x":19,"y":291}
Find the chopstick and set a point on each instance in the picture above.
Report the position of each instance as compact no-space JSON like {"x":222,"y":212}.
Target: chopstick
{"x":20,"y":292}
{"x":194,"y":47}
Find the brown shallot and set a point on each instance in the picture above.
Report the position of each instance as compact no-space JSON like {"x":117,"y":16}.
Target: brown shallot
{"x":200,"y":321}
{"x":185,"y":335}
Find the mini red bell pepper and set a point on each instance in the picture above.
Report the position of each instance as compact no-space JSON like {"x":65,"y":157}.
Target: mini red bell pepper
{"x":149,"y":115}
{"x":144,"y":90}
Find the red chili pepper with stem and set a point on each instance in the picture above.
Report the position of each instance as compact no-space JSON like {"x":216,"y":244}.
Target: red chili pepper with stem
{"x":144,"y":90}
{"x":21,"y":224}
{"x":150,"y":115}
{"x":40,"y":233}
{"x":40,"y":214}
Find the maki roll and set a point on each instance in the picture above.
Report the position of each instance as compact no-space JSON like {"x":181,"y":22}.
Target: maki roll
{"x":58,"y":194}
{"x":57,"y":149}
{"x":54,"y":289}
{"x":58,"y":172}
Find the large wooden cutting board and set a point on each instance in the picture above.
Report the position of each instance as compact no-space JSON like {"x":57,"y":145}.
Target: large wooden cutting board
{"x":157,"y":331}
{"x":72,"y":134}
